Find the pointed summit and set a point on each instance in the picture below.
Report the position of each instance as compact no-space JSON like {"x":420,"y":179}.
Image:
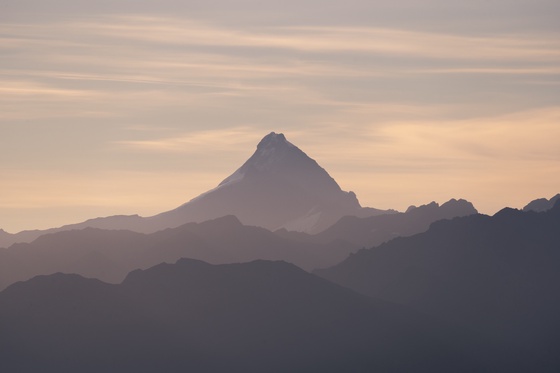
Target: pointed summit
{"x":279,"y":186}
{"x":277,"y":158}
{"x":273,"y":140}
{"x":274,"y":151}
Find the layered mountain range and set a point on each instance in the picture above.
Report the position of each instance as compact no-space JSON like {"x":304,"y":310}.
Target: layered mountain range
{"x":279,"y":186}
{"x":374,"y":230}
{"x":191,"y":316}
{"x":435,"y":288}
{"x":496,"y":276}
{"x":475,"y":293}
{"x":109,"y":255}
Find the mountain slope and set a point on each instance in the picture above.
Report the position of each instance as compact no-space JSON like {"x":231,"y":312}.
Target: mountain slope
{"x":192,"y":316}
{"x":374,"y":230}
{"x":496,"y":275}
{"x":109,"y":254}
{"x":278,"y":186}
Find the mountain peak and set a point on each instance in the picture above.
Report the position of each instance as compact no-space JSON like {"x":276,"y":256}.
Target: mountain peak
{"x":274,"y":149}
{"x":274,"y":139}
{"x":276,"y":155}
{"x":273,"y":152}
{"x":278,"y":186}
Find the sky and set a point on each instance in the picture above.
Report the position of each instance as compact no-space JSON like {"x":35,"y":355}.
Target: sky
{"x":135,"y":107}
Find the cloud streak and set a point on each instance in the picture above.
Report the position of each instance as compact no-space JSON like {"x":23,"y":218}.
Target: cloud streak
{"x":329,"y":39}
{"x":220,"y":140}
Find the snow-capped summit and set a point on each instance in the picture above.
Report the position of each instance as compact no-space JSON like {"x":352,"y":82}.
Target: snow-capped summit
{"x":273,"y":151}
{"x":276,"y":157}
{"x":279,"y":186}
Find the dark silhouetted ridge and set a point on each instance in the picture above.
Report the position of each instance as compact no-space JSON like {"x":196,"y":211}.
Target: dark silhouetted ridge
{"x":541,"y":204}
{"x":191,"y":316}
{"x":495,"y":275}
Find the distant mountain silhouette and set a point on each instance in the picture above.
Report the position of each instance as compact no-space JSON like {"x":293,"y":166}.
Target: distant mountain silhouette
{"x":110,"y":254}
{"x":372,"y":231}
{"x":195,"y":317}
{"x":117,"y":222}
{"x":541,"y":204}
{"x":279,"y":186}
{"x":498,"y":276}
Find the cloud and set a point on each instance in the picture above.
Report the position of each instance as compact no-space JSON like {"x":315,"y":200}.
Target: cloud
{"x":173,"y":64}
{"x":504,"y":70}
{"x":220,"y":140}
{"x":526,"y":136}
{"x":129,"y":32}
{"x":23,"y":88}
{"x":328,"y":39}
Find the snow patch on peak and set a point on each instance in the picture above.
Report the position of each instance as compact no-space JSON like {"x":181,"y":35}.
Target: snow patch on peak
{"x":233,"y":178}
{"x":305,"y":223}
{"x":237,"y":176}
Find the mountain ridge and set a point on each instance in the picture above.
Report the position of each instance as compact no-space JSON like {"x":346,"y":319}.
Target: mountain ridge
{"x":278,"y":186}
{"x":374,"y":230}
{"x":193,"y":316}
{"x":497,"y":275}
{"x":110,"y":254}
{"x":541,"y":204}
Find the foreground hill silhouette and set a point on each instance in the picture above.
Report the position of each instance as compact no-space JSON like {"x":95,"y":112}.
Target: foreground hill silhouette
{"x":497,"y":276}
{"x":110,"y":254}
{"x":279,"y":186}
{"x":192,"y":316}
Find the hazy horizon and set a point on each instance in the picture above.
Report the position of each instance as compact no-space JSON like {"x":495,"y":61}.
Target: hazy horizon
{"x":134,"y":108}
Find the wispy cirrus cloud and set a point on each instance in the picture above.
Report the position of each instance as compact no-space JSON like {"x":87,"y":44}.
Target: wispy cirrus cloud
{"x":328,"y":39}
{"x":222,"y":140}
